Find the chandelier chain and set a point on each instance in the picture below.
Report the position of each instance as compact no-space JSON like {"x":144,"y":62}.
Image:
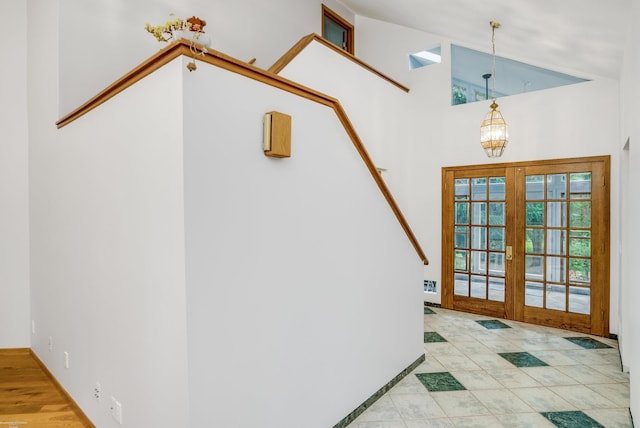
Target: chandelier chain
{"x":494,"y":135}
{"x":494,"y":25}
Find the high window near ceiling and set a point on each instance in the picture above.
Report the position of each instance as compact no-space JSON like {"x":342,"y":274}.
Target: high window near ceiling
{"x":337,"y":30}
{"x":471,"y":76}
{"x":425,"y":57}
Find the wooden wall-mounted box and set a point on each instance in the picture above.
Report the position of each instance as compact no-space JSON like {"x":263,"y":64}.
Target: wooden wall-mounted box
{"x":277,"y":135}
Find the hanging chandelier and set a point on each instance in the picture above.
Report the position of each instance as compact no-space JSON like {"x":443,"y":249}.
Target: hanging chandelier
{"x":494,"y":135}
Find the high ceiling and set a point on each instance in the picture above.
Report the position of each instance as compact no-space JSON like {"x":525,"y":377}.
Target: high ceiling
{"x":585,"y":37}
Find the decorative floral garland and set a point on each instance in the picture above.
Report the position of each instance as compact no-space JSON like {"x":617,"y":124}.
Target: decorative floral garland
{"x":166,"y":32}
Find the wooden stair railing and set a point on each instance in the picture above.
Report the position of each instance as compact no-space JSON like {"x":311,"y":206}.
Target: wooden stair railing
{"x":306,"y":40}
{"x":218,"y":59}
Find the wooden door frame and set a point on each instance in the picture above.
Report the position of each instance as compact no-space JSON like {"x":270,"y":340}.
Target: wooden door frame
{"x":341,"y":22}
{"x":489,"y":307}
{"x":601,"y":171}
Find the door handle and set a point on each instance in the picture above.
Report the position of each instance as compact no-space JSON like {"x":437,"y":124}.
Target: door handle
{"x":509,"y":252}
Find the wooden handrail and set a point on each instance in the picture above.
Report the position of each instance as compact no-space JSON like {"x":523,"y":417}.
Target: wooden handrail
{"x":213,"y":57}
{"x":306,"y":40}
{"x":218,"y":59}
{"x":342,"y":115}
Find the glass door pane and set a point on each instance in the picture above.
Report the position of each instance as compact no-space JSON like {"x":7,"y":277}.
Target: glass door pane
{"x":479,"y":237}
{"x":558,"y":245}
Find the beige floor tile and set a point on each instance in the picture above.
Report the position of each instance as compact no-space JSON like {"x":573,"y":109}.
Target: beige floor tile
{"x":554,"y":358}
{"x":409,"y":385}
{"x":460,"y":403}
{"x":611,"y":418}
{"x":524,"y":420}
{"x":476,"y":379}
{"x":477,"y":422}
{"x":491,"y":361}
{"x":585,"y":374}
{"x":514,"y":334}
{"x":431,"y":423}
{"x":549,"y":376}
{"x":543,"y":400}
{"x":383,"y":424}
{"x":582,"y":397}
{"x":471,"y":347}
{"x":610,"y":356}
{"x":455,"y":337}
{"x":499,"y":345}
{"x":513,"y":378}
{"x":546,"y":344}
{"x":442,"y":348}
{"x":430,"y":365}
{"x":417,"y":406}
{"x":457,"y":362}
{"x":382,"y":410}
{"x":586,"y":357}
{"x":502,"y":401}
{"x":612,"y":371}
{"x":618,"y":393}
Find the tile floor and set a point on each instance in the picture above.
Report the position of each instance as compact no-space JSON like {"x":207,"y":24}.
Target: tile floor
{"x":481,"y":372}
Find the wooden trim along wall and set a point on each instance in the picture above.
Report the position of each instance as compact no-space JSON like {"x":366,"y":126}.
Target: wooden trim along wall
{"x":218,"y":59}
{"x":182,"y":48}
{"x":306,"y":40}
{"x":74,"y":406}
{"x":32,"y":396}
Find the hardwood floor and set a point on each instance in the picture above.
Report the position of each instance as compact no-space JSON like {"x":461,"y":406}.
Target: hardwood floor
{"x":29,"y":397}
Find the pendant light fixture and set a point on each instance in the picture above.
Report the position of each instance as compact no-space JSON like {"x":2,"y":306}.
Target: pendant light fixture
{"x":494,"y":135}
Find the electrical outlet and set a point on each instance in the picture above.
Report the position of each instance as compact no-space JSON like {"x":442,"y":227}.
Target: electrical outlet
{"x":33,"y":327}
{"x":116,"y":410}
{"x":97,"y":391}
{"x":66,"y":360}
{"x":50,"y":343}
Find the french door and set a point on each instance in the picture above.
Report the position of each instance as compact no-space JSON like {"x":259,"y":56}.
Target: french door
{"x":529,"y":242}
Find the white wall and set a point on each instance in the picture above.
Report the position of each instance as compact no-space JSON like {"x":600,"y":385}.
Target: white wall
{"x":100,"y":40}
{"x":322,"y":69}
{"x":107,"y":262}
{"x":303,"y":292}
{"x":443,"y":135}
{"x":372,"y":103}
{"x":630,"y":318}
{"x":107,"y":248}
{"x":14,"y":184}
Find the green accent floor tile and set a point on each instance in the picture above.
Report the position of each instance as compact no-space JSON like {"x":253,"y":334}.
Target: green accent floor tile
{"x":428,"y":311}
{"x":438,"y":382}
{"x":492,"y":324}
{"x":575,"y":419}
{"x":588,"y":343}
{"x":522,"y":359}
{"x":432,"y":336}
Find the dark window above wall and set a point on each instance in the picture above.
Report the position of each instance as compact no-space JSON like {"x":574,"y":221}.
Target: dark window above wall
{"x":337,"y":30}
